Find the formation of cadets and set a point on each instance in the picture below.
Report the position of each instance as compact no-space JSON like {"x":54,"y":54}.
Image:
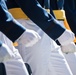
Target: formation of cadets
{"x":37,"y":37}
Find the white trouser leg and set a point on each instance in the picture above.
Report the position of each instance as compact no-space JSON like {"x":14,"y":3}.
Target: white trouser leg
{"x":15,"y":65}
{"x":45,"y":57}
{"x":71,"y":59}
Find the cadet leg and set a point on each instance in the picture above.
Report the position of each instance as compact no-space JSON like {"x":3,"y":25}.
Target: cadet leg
{"x":70,"y":58}
{"x":45,"y":57}
{"x":15,"y":65}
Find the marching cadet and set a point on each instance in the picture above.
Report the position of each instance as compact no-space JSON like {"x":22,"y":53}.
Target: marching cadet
{"x":66,"y":18}
{"x":58,"y":9}
{"x":70,"y":11}
{"x":41,"y":56}
{"x":13,"y":30}
{"x":10,"y":59}
{"x":8,"y":54}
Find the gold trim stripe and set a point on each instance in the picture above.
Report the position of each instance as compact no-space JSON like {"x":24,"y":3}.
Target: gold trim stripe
{"x":18,"y":13}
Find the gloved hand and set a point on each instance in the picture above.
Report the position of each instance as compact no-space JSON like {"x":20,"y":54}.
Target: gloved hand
{"x":69,"y":48}
{"x":5,"y":53}
{"x":29,"y":38}
{"x":66,"y":38}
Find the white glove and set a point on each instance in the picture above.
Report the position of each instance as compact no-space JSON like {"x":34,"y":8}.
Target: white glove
{"x":66,"y":38}
{"x":29,"y":38}
{"x":69,"y":48}
{"x":5,"y":53}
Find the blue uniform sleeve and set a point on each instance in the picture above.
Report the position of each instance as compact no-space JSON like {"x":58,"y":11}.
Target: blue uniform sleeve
{"x":8,"y":25}
{"x":43,"y":19}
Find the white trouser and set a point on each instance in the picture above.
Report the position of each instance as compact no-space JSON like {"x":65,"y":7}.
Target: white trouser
{"x":15,"y":65}
{"x":45,"y":57}
{"x":71,"y":59}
